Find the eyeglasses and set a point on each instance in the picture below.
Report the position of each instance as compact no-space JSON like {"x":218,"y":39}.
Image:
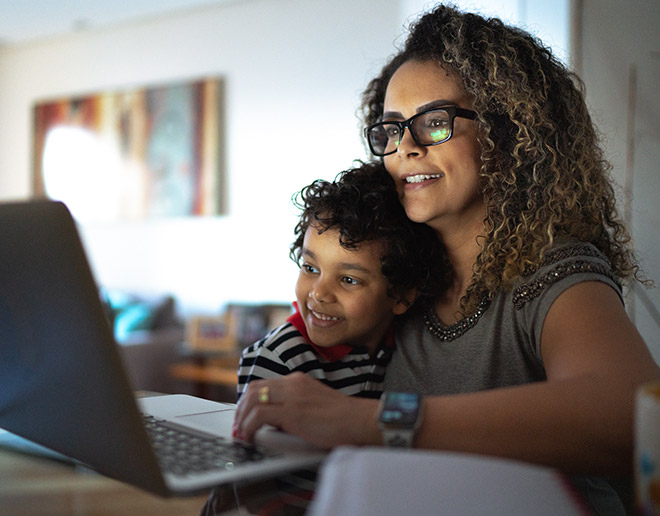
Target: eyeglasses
{"x":431,"y":127}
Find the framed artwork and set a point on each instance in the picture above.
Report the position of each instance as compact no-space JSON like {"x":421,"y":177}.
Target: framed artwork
{"x":148,"y":152}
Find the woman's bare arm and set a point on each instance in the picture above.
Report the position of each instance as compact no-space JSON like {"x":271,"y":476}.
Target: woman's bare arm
{"x":580,"y":420}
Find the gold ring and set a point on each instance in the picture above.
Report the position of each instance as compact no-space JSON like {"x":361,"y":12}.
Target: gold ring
{"x":264,"y":394}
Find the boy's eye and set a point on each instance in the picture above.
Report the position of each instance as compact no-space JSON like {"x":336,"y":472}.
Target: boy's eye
{"x":350,"y":281}
{"x":309,"y":269}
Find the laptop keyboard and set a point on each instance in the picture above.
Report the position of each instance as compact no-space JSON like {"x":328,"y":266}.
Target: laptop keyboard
{"x":185,"y":453}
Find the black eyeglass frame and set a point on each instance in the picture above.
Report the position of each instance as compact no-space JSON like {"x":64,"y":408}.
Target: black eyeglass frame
{"x":452,"y":111}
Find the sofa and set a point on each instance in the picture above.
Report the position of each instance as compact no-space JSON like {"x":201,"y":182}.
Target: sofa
{"x":150,"y":335}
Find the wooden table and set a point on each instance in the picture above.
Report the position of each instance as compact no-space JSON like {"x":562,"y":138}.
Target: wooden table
{"x":38,"y":486}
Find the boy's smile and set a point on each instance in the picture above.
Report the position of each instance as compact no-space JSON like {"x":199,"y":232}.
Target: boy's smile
{"x":322,"y":317}
{"x":342,"y":293}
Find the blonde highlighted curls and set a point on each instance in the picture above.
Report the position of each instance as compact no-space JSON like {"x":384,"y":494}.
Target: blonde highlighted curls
{"x":543,"y":174}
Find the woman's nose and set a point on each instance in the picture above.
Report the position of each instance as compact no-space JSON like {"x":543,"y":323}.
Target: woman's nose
{"x":407,"y":145}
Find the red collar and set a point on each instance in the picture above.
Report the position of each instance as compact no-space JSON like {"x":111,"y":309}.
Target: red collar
{"x":339,"y":351}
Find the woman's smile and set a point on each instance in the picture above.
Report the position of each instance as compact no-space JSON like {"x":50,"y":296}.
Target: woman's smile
{"x":420,"y":178}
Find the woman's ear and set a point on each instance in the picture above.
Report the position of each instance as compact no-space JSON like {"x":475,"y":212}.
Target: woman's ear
{"x":405,"y":301}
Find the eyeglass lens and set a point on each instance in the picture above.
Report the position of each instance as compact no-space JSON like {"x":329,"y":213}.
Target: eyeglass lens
{"x":428,"y":128}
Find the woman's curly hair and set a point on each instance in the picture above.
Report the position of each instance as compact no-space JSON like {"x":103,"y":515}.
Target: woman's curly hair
{"x":362,"y":205}
{"x":543,"y":173}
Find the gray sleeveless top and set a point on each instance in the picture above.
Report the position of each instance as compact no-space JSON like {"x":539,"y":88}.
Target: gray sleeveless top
{"x":499,"y":345}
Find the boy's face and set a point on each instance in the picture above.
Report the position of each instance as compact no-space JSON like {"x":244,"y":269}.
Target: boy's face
{"x":342,"y":293}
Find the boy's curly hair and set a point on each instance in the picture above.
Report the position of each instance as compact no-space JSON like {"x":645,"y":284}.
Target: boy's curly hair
{"x":543,"y":173}
{"x":362,"y":205}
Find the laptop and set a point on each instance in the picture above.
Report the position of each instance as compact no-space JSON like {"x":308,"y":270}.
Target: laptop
{"x":63,"y":385}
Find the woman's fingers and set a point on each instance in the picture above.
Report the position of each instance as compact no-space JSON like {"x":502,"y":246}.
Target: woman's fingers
{"x":303,"y":406}
{"x":262,"y":404}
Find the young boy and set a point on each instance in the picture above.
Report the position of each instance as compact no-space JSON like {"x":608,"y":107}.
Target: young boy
{"x":362,"y":263}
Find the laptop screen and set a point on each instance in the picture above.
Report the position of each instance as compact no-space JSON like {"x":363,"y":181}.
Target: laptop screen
{"x":63,"y":384}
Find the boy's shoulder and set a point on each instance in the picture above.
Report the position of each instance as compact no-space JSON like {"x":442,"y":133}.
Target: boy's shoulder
{"x":280,"y":339}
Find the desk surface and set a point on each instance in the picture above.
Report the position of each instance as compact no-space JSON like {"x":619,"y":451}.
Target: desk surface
{"x":40,"y":486}
{"x":37,"y":486}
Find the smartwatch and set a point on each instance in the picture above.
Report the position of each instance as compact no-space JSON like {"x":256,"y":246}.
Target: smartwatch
{"x":399,"y":417}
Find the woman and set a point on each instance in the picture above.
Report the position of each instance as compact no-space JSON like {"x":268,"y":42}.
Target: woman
{"x":529,"y":354}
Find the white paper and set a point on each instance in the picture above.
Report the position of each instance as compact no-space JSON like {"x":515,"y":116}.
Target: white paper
{"x":381,"y":481}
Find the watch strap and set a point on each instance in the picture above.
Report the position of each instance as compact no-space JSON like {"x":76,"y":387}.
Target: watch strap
{"x":398,"y":437}
{"x":399,"y":417}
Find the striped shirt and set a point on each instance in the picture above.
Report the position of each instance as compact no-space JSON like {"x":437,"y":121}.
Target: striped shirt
{"x":287,"y":348}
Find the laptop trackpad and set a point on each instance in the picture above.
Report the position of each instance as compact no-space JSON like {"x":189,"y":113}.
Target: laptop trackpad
{"x":197,"y":413}
{"x":217,"y":423}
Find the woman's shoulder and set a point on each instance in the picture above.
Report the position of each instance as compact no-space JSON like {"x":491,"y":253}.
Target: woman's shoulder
{"x":566,"y":262}
{"x":569,"y":248}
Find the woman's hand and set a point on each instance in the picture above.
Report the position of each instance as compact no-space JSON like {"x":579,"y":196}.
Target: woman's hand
{"x":303,"y":406}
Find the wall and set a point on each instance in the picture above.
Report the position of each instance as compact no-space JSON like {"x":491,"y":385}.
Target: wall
{"x":297,"y":65}
{"x":298,"y":62}
{"x":621,"y":70}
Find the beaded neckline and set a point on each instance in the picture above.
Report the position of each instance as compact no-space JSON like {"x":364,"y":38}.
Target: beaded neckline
{"x":453,"y":331}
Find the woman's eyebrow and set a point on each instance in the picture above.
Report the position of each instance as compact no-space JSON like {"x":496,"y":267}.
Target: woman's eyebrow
{"x":392,"y":114}
{"x":435,"y":104}
{"x":424,"y":107}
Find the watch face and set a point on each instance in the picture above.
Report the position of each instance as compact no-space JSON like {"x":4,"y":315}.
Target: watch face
{"x":400,"y":408}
